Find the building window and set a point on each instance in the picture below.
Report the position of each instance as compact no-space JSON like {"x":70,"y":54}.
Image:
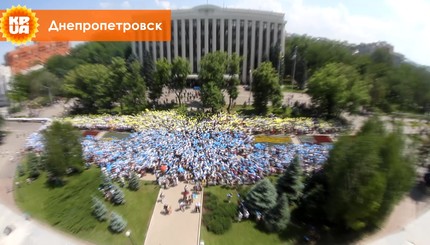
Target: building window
{"x":210,"y":23}
{"x":202,"y":37}
{"x":242,"y":35}
{"x":226,"y":40}
{"x":218,"y":34}
{"x":187,"y":38}
{"x":179,"y":37}
{"x":234,"y":38}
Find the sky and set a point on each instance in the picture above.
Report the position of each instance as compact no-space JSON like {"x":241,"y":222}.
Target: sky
{"x":403,"y":24}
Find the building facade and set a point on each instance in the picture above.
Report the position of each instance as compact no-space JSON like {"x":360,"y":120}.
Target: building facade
{"x":5,"y":75}
{"x":24,"y":58}
{"x":204,"y":29}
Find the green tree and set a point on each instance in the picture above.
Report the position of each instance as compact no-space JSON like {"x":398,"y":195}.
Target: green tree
{"x":118,"y":196}
{"x":213,"y":67}
{"x":233,"y":71}
{"x":32,"y":165}
{"x":148,"y":68}
{"x":118,"y":85}
{"x":99,"y":209}
{"x":21,"y":170}
{"x":89,"y":84}
{"x":262,"y":196}
{"x":134,"y":183}
{"x":134,"y":97}
{"x":338,"y":87}
{"x":35,"y":84}
{"x":278,"y":217}
{"x":63,"y":151}
{"x":291,"y":182}
{"x":106,"y":180}
{"x":265,"y":87}
{"x":99,"y":52}
{"x":161,"y":78}
{"x":366,"y":176}
{"x":117,"y":223}
{"x":178,"y":82}
{"x":212,"y":97}
{"x":60,"y":65}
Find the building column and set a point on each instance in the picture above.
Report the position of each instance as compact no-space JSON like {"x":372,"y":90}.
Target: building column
{"x":214,"y":37}
{"x":267,"y":48}
{"x":141,"y":52}
{"x":191,"y":43}
{"x":183,"y":41}
{"x":222,"y":31}
{"x":282,"y":43}
{"x":133,"y":48}
{"x":253,"y":45}
{"x":206,"y":36}
{"x":237,"y":51}
{"x":260,"y":43}
{"x":154,"y":50}
{"x":199,"y":43}
{"x":230,"y":36}
{"x":245,"y":69}
{"x":175,"y":41}
{"x":169,"y":51}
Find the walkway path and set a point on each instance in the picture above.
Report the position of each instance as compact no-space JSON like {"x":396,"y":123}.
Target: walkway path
{"x":178,"y":228}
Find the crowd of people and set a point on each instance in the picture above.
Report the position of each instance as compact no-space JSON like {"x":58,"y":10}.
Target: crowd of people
{"x":212,"y":157}
{"x":171,"y":120}
{"x":218,"y":150}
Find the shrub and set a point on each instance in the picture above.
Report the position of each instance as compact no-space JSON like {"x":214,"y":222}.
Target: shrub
{"x":218,"y":224}
{"x":210,"y":201}
{"x":20,"y":170}
{"x":32,"y":165}
{"x":99,"y":209}
{"x":219,"y":218}
{"x":118,"y":196}
{"x":225,"y":209}
{"x":106,"y":180}
{"x":117,"y":224}
{"x":134,"y":183}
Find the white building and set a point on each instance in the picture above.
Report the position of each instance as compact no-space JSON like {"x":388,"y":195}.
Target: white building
{"x":5,"y":76}
{"x":207,"y":28}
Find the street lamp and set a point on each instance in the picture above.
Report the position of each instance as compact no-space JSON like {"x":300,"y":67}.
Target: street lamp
{"x":49,"y":93}
{"x":128,"y":234}
{"x":250,"y":85}
{"x":294,"y":66}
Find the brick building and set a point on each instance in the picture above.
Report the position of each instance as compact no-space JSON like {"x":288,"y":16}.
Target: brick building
{"x":25,"y":57}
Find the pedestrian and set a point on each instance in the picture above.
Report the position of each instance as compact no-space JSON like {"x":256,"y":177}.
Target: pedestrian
{"x":229,"y":196}
{"x":198,"y":207}
{"x":182,"y":206}
{"x":161,"y":197}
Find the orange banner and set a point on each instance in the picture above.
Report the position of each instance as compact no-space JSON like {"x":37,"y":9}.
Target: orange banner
{"x":90,"y":25}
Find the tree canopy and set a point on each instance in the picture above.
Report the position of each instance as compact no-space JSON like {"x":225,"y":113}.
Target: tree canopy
{"x":162,"y":76}
{"x":366,"y":175}
{"x":262,"y":196}
{"x":63,"y":151}
{"x":180,"y":70}
{"x":265,"y":87}
{"x":337,"y":87}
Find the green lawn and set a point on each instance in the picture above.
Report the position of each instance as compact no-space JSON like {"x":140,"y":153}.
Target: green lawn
{"x":69,"y":208}
{"x":243,"y":233}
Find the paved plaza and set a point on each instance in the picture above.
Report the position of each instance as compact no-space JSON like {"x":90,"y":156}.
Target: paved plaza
{"x":177,"y":228}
